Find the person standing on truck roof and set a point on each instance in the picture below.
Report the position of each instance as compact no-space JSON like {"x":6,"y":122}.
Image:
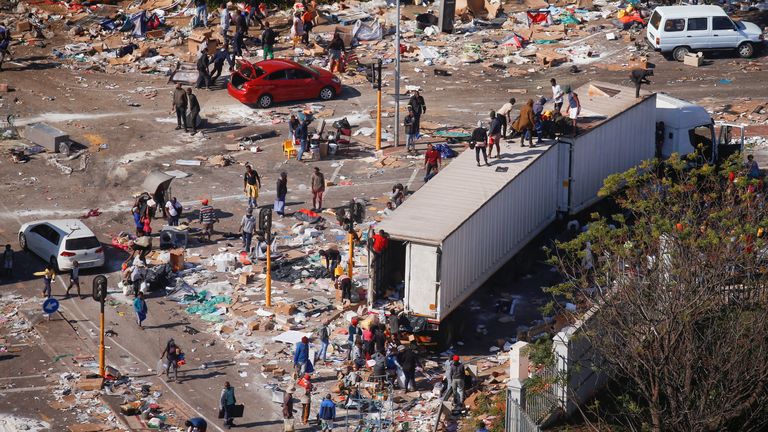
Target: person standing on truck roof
{"x":640,"y":77}
{"x":506,"y":116}
{"x":494,"y":135}
{"x":557,"y":95}
{"x":377,"y":244}
{"x":525,"y":123}
{"x":574,"y":109}
{"x":480,"y":140}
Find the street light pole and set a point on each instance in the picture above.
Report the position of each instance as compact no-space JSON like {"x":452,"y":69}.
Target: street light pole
{"x":397,"y":76}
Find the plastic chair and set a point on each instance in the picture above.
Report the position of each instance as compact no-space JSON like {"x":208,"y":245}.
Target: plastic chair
{"x":289,"y":149}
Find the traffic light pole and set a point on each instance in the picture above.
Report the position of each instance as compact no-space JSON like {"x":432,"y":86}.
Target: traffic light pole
{"x":100,"y":295}
{"x":102,"y":356}
{"x":269,"y":270}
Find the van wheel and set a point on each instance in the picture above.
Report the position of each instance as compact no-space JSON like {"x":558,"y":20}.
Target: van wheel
{"x":265,"y":101}
{"x":23,"y":242}
{"x":746,"y":50}
{"x":679,"y":53}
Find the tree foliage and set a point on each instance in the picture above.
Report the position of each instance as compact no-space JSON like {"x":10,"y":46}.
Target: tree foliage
{"x":677,"y":281}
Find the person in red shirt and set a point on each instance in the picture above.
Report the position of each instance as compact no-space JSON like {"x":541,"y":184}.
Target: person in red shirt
{"x":377,"y":243}
{"x":432,"y":159}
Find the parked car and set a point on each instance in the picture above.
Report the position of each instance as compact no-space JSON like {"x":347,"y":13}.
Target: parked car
{"x":60,"y":242}
{"x":280,"y":80}
{"x":681,"y":29}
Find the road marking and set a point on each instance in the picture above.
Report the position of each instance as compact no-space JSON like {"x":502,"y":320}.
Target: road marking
{"x":210,"y":423}
{"x":21,"y":377}
{"x":26,"y":389}
{"x":336,"y":172}
{"x":413,"y":177}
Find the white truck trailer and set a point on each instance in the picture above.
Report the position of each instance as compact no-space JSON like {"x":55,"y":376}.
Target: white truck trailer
{"x":463,"y":225}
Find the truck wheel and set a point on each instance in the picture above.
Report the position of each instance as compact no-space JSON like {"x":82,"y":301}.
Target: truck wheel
{"x":746,"y":50}
{"x":679,"y":53}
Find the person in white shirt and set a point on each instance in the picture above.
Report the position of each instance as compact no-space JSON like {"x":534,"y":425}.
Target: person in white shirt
{"x":74,"y":278}
{"x":505,"y":113}
{"x":557,"y":95}
{"x":226,"y":20}
{"x":173,"y":210}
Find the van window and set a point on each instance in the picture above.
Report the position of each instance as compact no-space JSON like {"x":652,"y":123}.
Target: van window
{"x":674,"y":25}
{"x":695,"y":24}
{"x":655,"y":20}
{"x":722,"y":23}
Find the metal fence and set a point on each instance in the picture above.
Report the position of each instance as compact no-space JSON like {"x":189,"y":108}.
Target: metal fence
{"x":517,"y":419}
{"x":541,"y":403}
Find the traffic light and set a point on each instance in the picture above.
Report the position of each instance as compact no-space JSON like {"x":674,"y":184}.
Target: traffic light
{"x":100,"y":288}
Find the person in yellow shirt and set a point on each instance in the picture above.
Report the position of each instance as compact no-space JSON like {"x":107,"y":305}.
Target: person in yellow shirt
{"x":49,"y":275}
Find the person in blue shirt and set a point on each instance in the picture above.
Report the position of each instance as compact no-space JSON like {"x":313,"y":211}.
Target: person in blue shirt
{"x":753,"y":170}
{"x":218,"y":60}
{"x":481,"y":427}
{"x":327,"y":413}
{"x":140,"y":307}
{"x":196,"y":424}
{"x":301,"y":356}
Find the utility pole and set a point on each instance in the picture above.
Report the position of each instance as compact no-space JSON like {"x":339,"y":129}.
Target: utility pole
{"x":265,"y":226}
{"x":377,"y":85}
{"x":100,"y":295}
{"x":397,"y":77}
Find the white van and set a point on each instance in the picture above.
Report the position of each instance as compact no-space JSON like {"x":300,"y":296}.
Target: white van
{"x":681,"y":29}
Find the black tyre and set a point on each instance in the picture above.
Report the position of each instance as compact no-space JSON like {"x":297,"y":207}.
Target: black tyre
{"x":327,"y":93}
{"x":746,"y":50}
{"x":265,"y":101}
{"x":680,"y":52}
{"x":23,"y":242}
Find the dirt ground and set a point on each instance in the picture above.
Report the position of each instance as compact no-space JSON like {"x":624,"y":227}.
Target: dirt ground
{"x":125,"y":123}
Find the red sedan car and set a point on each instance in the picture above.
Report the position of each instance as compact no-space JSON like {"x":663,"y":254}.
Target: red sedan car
{"x":280,"y":80}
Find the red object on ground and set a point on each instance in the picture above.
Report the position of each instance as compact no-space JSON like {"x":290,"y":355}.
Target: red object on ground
{"x":279,"y":80}
{"x":537,"y":17}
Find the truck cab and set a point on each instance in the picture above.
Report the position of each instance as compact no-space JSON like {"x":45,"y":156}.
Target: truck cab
{"x":683,"y":128}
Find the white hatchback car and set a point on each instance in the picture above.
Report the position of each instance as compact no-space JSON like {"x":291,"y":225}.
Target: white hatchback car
{"x":60,"y":242}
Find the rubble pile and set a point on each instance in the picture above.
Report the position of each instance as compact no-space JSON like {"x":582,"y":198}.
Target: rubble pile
{"x":506,"y":39}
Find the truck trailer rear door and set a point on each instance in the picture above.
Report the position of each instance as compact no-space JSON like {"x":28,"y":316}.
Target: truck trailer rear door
{"x":422,"y":282}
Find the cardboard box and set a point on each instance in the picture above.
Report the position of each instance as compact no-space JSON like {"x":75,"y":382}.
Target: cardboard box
{"x":177,"y":259}
{"x":346,"y":34}
{"x":89,"y":384}
{"x":245,"y":278}
{"x":693,"y":59}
